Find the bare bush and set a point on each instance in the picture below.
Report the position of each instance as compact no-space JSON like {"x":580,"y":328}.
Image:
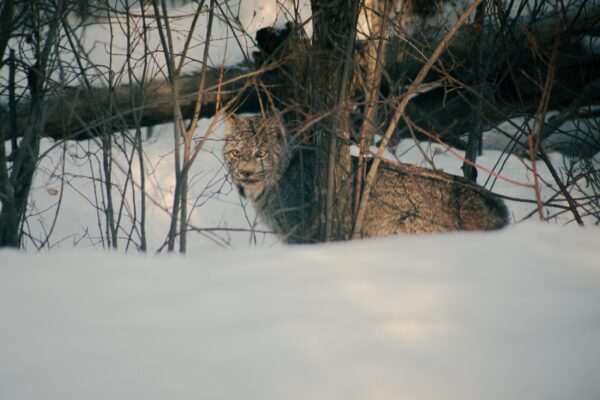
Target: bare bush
{"x":519,"y":77}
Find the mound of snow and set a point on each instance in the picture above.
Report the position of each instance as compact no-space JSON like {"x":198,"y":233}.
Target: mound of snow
{"x":513,"y":314}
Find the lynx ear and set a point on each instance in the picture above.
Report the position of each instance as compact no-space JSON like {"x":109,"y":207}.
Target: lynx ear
{"x":275,"y":123}
{"x":231,"y":123}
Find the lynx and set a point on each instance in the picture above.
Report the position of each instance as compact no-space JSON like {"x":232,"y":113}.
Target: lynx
{"x":278,"y":176}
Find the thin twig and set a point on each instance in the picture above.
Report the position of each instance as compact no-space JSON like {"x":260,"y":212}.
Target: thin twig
{"x":534,"y":139}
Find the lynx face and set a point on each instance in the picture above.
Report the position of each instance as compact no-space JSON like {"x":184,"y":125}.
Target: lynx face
{"x":255,"y":153}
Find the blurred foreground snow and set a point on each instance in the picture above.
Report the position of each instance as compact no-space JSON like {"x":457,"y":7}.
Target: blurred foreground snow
{"x":513,"y":314}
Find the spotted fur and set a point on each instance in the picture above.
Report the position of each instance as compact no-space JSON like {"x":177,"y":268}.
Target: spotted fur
{"x":278,"y":176}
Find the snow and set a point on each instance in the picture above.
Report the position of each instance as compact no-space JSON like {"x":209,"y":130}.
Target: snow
{"x":500,"y":315}
{"x":106,"y":41}
{"x":72,"y":185}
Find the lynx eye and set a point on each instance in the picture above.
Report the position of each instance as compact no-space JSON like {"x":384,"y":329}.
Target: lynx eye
{"x":261,"y":153}
{"x":235,"y":153}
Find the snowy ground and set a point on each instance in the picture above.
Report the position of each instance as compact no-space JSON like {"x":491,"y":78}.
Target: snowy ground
{"x":513,"y":314}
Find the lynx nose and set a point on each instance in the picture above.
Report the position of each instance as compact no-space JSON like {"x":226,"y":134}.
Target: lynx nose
{"x":246,"y":173}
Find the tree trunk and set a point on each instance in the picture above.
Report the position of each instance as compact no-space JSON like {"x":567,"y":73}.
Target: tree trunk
{"x":332,"y":61}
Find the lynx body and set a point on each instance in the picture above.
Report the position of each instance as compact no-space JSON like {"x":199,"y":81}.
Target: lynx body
{"x":279,"y":178}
